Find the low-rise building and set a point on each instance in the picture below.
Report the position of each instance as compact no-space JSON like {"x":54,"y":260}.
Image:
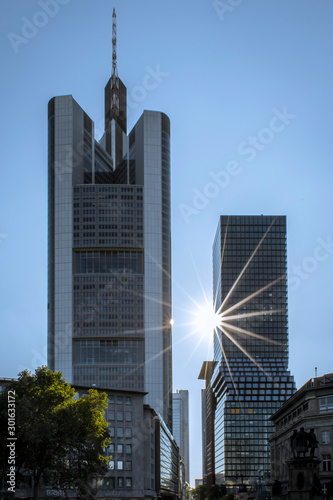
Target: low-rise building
{"x":144,"y":459}
{"x":311,"y":407}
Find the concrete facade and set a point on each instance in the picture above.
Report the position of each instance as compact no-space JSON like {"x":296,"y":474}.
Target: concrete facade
{"x":311,"y":407}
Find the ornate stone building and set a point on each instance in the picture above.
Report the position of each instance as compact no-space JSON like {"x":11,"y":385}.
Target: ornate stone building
{"x":311,"y":407}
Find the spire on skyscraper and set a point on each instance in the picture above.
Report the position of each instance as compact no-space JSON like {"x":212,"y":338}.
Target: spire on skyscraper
{"x":114,"y":76}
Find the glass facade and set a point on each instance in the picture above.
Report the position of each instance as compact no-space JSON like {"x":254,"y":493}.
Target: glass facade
{"x":115,"y":352}
{"x":109,"y":261}
{"x":180,"y":427}
{"x":251,"y":378}
{"x":169,"y":462}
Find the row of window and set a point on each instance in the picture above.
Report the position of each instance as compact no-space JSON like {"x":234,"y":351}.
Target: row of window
{"x":240,"y":397}
{"x":110,"y":189}
{"x":111,"y":234}
{"x":121,"y":432}
{"x":120,"y":417}
{"x":119,"y":482}
{"x":124,"y":211}
{"x":112,"y":261}
{"x":115,"y":242}
{"x":120,"y":448}
{"x":120,"y":400}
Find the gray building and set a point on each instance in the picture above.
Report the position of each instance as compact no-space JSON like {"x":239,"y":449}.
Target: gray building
{"x":181,"y":428}
{"x":143,"y":457}
{"x":249,"y":379}
{"x":311,"y":407}
{"x":109,"y":249}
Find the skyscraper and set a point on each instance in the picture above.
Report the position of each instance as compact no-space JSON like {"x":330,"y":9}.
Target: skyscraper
{"x":181,"y":428}
{"x":249,"y":378}
{"x":109,"y":248}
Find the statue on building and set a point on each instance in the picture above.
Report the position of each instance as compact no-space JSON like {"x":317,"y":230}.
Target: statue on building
{"x":313,"y":443}
{"x":301,"y":442}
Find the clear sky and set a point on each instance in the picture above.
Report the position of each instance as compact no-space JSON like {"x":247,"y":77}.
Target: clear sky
{"x":248,"y":89}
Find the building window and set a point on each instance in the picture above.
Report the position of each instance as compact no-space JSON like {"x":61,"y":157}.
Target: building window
{"x":120,"y":432}
{"x":326,"y":463}
{"x":128,"y":400}
{"x":120,"y":416}
{"x":128,"y":465}
{"x":128,"y":482}
{"x":111,"y":415}
{"x":128,"y":448}
{"x":325,"y":437}
{"x":120,"y":465}
{"x":128,"y":432}
{"x":110,"y":448}
{"x":120,"y":448}
{"x":326,"y":404}
{"x":108,"y":482}
{"x":128,"y":416}
{"x":111,"y":464}
{"x":119,"y":400}
{"x":111,"y":430}
{"x":120,"y":482}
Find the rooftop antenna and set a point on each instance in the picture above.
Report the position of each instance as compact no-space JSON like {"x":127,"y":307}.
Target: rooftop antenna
{"x":315,"y":371}
{"x":114,"y":76}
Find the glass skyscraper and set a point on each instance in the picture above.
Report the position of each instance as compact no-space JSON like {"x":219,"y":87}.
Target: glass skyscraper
{"x":249,"y":378}
{"x":181,"y":428}
{"x":109,"y":249}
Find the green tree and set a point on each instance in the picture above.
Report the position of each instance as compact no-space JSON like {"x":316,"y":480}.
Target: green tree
{"x":58,"y":437}
{"x":199,"y":493}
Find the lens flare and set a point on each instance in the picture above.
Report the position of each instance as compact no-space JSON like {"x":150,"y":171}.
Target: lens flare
{"x":206,"y":320}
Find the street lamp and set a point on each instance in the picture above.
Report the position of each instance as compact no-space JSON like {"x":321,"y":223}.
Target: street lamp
{"x":259,"y":476}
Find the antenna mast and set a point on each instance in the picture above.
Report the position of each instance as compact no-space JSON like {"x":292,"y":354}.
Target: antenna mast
{"x":114,"y":76}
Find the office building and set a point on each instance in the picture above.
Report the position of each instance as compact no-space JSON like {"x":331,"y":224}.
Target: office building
{"x":109,"y":248}
{"x":249,"y":378}
{"x":143,"y":457}
{"x":203,"y":436}
{"x":311,"y":407}
{"x":181,"y":428}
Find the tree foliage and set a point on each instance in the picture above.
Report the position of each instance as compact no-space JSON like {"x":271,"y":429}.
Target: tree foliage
{"x":199,"y":492}
{"x":214,"y":492}
{"x":59,"y":437}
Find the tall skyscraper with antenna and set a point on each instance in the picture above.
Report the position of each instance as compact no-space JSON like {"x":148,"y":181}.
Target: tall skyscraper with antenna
{"x":109,"y":247}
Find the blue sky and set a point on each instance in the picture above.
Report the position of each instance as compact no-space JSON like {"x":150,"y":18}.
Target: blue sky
{"x":248,"y":89}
